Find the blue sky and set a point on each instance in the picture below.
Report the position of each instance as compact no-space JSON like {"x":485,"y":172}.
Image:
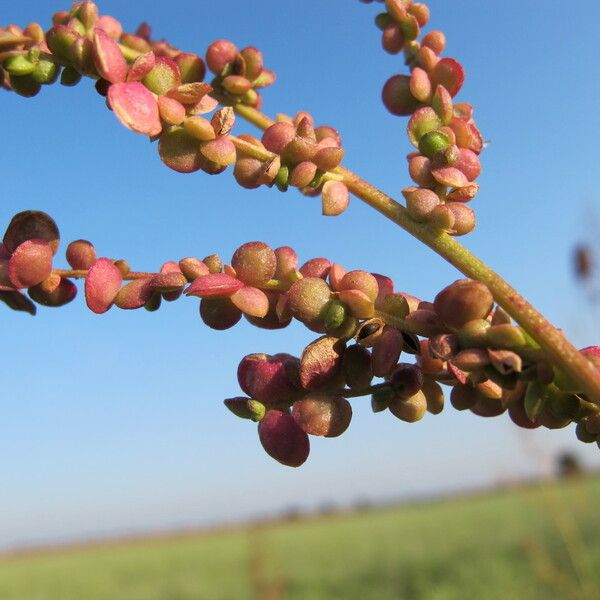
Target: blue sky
{"x":115,"y":423}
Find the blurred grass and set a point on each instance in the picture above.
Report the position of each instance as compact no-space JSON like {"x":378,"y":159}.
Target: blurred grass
{"x":539,"y":542}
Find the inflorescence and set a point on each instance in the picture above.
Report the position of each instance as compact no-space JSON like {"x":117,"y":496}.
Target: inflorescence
{"x":366,"y":329}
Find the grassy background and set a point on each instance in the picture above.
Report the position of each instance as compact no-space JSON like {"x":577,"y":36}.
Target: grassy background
{"x":538,"y":542}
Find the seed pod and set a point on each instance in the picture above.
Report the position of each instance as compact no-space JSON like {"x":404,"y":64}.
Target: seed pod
{"x":449,"y":73}
{"x":254,"y":263}
{"x":592,"y":423}
{"x":409,"y":409}
{"x":213,"y":262}
{"x":464,"y":218}
{"x":283,"y":439}
{"x":271,"y":320}
{"x":434,"y":396}
{"x":108,"y":58}
{"x":369,"y":332}
{"x":463,"y":397}
{"x":583,"y":435}
{"x":220,"y":54}
{"x":134,"y":295}
{"x":474,"y":334}
{"x":62,"y":294}
{"x":321,"y":362}
{"x":392,"y":39}
{"x":356,"y":367}
{"x":380,"y":399}
{"x":386,"y":351}
{"x":444,"y":346}
{"x":29,"y":225}
{"x":472,"y":359}
{"x":286,"y":263}
{"x":191,"y":67}
{"x":102,"y":285}
{"x":487,"y":407}
{"x":30,"y":263}
{"x":398,"y":304}
{"x":518,"y":416}
{"x":419,"y":168}
{"x":420,"y":84}
{"x":435,"y":40}
{"x":316,"y":267}
{"x":424,"y":322}
{"x":335,"y":198}
{"x":362,"y":281}
{"x":322,"y":414}
{"x":397,"y":97}
{"x":265,"y":378}
{"x":463,"y":301}
{"x":406,"y":380}
{"x":505,"y":361}
{"x":420,"y":202}
{"x":308,"y":298}
{"x":80,"y":254}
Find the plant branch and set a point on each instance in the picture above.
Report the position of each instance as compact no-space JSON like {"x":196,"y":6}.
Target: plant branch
{"x":555,"y":345}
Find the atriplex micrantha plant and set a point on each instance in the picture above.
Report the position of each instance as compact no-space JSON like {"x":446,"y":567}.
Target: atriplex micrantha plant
{"x":478,"y":336}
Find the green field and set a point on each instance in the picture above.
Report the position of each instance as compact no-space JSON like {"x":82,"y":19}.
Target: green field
{"x":538,"y":542}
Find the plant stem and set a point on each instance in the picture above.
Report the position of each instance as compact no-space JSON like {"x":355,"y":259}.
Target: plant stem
{"x":556,"y":347}
{"x":350,"y":393}
{"x":82,"y":273}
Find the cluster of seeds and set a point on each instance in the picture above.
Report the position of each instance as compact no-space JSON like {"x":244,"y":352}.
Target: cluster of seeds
{"x":301,"y":155}
{"x":238,"y":73}
{"x":460,"y":339}
{"x":152,"y":87}
{"x":445,"y":164}
{"x":157,"y":90}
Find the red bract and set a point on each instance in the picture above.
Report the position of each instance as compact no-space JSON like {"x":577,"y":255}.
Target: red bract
{"x":59,"y":296}
{"x":283,"y":439}
{"x":108,"y":58}
{"x":29,"y":225}
{"x":214,"y":285}
{"x":251,"y":301}
{"x":267,"y":378}
{"x":449,"y":73}
{"x":30,"y":263}
{"x":135,"y":106}
{"x":102,"y":285}
{"x":179,"y":150}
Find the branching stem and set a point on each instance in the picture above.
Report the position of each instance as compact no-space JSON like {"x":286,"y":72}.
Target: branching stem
{"x":555,"y":345}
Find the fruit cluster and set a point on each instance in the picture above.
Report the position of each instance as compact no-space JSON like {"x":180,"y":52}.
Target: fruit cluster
{"x":461,"y":339}
{"x":445,"y":164}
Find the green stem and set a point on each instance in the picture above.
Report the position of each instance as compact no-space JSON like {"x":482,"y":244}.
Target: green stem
{"x":556,"y":347}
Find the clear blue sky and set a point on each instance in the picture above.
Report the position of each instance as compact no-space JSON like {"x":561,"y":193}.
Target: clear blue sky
{"x":115,"y":423}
